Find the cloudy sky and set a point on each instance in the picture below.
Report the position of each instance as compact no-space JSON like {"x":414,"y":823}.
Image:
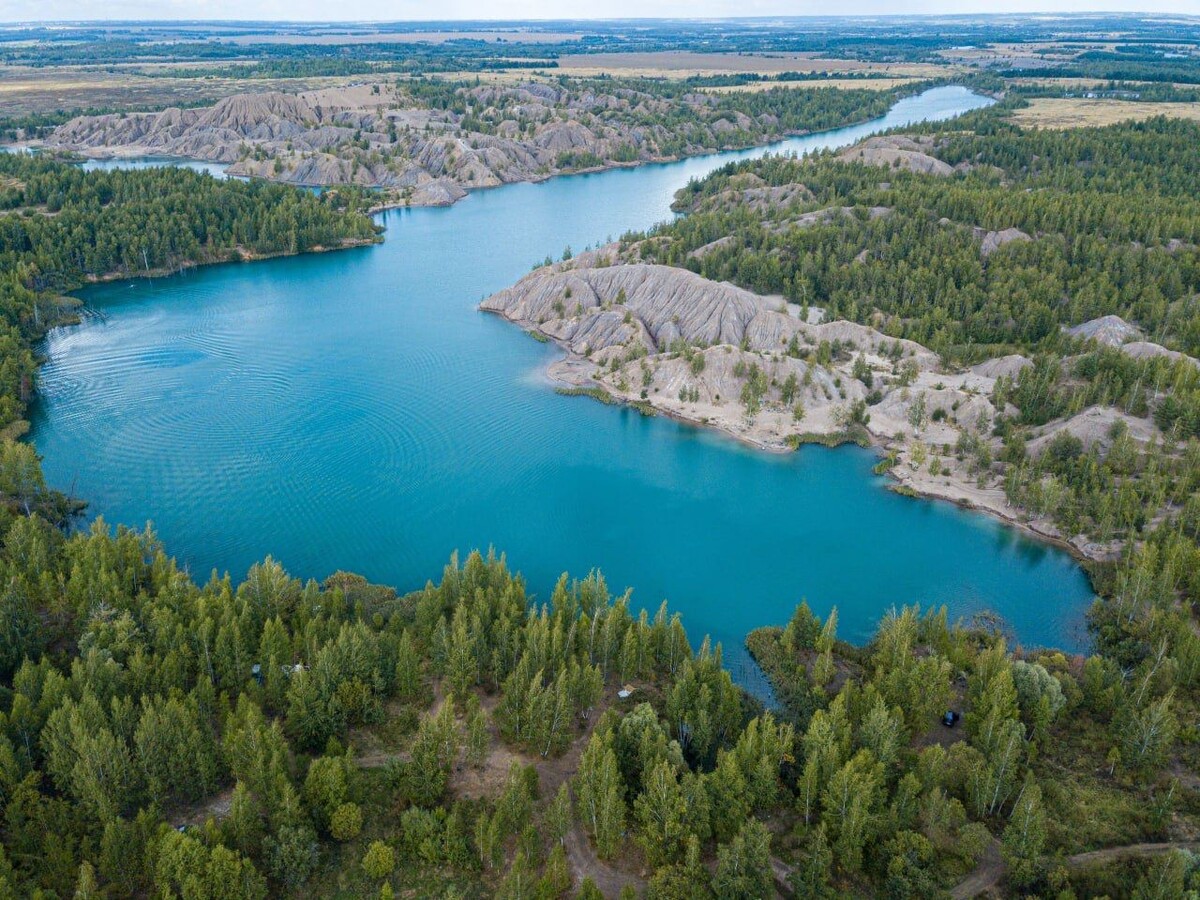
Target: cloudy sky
{"x":400,"y":10}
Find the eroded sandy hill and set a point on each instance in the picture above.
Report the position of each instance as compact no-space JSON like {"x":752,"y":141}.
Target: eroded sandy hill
{"x":378,"y":136}
{"x":723,"y":357}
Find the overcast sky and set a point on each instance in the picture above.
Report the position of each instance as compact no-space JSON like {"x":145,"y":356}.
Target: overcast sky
{"x":399,"y":10}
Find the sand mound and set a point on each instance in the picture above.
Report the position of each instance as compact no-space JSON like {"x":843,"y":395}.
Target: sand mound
{"x":1094,"y":427}
{"x":1149,"y":350}
{"x":896,"y":152}
{"x":1009,"y":366}
{"x":1111,"y":330}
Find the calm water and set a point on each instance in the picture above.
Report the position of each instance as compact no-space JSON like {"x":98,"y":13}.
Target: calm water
{"x":217,"y":170}
{"x":354,"y":410}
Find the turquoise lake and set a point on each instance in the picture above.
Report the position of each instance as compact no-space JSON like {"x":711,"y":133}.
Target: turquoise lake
{"x":355,"y":411}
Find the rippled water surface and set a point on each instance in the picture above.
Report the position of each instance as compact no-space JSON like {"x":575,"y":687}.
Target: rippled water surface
{"x":354,"y":410}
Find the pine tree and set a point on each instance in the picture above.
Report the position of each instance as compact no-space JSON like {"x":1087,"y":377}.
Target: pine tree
{"x":811,"y":877}
{"x":559,"y":815}
{"x":728,"y":796}
{"x":1025,"y":836}
{"x":408,"y":670}
{"x":1146,"y":733}
{"x":660,"y":811}
{"x":848,"y":807}
{"x":600,"y":793}
{"x":478,"y":737}
{"x":744,"y":865}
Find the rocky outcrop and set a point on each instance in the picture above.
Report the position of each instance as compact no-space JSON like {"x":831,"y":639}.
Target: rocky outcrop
{"x":216,"y":133}
{"x":1003,"y":367}
{"x":991,"y":241}
{"x":1096,"y":426}
{"x":747,"y":189}
{"x":1111,"y":330}
{"x":378,"y":136}
{"x":719,"y":244}
{"x":592,"y":309}
{"x":896,"y":152}
{"x":1150,"y":350}
{"x":722,"y":357}
{"x":689,"y":347}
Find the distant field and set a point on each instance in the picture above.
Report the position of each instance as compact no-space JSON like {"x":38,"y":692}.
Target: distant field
{"x":870,"y":84}
{"x":331,"y":38}
{"x":680,"y":63}
{"x":1072,"y":84}
{"x":1081,"y":113}
{"x":26,"y":91}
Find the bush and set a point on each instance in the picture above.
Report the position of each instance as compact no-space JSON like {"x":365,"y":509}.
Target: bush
{"x":346,"y":822}
{"x":379,"y":861}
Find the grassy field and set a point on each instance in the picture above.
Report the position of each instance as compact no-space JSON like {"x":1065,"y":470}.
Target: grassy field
{"x":679,"y":64}
{"x":1078,"y":112}
{"x":870,"y":84}
{"x":26,"y":91}
{"x":335,"y":37}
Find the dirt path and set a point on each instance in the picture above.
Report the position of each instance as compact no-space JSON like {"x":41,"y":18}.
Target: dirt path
{"x":586,"y":864}
{"x":986,"y":874}
{"x":379,"y":760}
{"x":782,"y":873}
{"x":1110,"y":853}
{"x":990,"y":870}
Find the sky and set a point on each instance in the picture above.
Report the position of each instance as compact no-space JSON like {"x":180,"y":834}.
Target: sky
{"x":404,"y":10}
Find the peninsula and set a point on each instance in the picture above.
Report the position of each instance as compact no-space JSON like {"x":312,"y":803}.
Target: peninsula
{"x":859,"y":342}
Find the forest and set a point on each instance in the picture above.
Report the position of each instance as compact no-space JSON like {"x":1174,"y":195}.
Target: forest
{"x":168,"y":735}
{"x":271,"y":737}
{"x":200,"y":739}
{"x":1106,"y":223}
{"x":1114,"y":210}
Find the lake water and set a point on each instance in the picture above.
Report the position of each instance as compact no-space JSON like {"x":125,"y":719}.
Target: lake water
{"x":355,"y":411}
{"x":217,"y":170}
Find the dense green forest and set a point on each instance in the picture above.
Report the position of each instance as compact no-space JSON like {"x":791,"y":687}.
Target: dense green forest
{"x":160,"y":737}
{"x":169,"y":737}
{"x":61,"y":227}
{"x":1115,"y":212}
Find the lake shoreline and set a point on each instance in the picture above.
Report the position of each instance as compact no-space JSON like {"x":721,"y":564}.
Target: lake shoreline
{"x":238,"y":255}
{"x":568,"y":373}
{"x":131,"y":152}
{"x":612,"y":166}
{"x":437,"y":414}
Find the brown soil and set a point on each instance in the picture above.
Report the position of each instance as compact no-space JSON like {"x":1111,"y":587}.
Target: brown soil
{"x":984,"y":877}
{"x":214,"y":807}
{"x":991,"y":868}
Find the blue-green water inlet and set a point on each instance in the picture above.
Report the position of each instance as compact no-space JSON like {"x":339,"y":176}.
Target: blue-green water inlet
{"x":355,"y":411}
